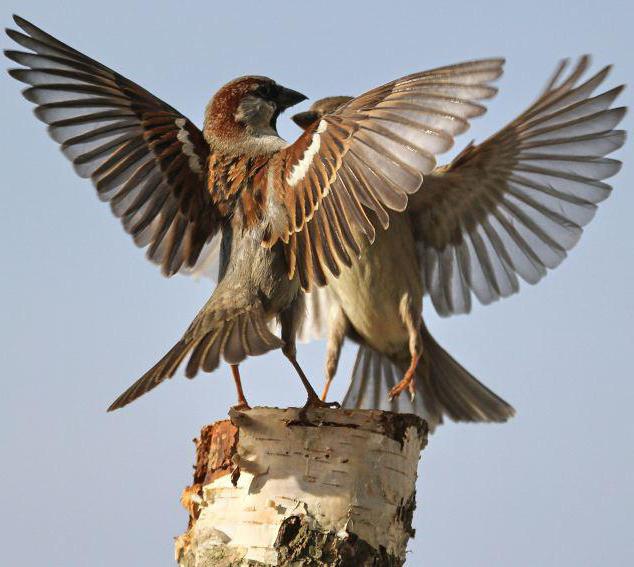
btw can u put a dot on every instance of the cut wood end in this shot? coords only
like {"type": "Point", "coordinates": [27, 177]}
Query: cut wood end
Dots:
{"type": "Point", "coordinates": [273, 485]}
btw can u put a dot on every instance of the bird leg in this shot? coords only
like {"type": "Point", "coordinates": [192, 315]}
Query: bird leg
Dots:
{"type": "Point", "coordinates": [242, 401]}
{"type": "Point", "coordinates": [412, 319]}
{"type": "Point", "coordinates": [289, 321]}
{"type": "Point", "coordinates": [338, 326]}
{"type": "Point", "coordinates": [314, 401]}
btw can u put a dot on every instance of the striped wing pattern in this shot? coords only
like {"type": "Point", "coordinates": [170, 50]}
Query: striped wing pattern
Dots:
{"type": "Point", "coordinates": [513, 206]}
{"type": "Point", "coordinates": [144, 158]}
{"type": "Point", "coordinates": [340, 177]}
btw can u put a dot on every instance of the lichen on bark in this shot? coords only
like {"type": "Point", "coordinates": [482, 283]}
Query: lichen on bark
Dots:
{"type": "Point", "coordinates": [298, 545]}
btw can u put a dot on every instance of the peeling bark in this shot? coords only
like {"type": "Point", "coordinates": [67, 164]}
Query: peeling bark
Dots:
{"type": "Point", "coordinates": [314, 488]}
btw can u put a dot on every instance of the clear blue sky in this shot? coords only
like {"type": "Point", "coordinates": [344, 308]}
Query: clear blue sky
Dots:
{"type": "Point", "coordinates": [84, 314]}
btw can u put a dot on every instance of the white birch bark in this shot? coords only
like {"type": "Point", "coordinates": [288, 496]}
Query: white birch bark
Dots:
{"type": "Point", "coordinates": [283, 487]}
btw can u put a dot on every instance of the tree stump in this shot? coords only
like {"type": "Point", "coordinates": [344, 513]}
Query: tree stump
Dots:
{"type": "Point", "coordinates": [317, 487]}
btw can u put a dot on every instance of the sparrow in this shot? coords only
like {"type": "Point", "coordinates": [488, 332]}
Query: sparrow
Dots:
{"type": "Point", "coordinates": [510, 206]}
{"type": "Point", "coordinates": [288, 216]}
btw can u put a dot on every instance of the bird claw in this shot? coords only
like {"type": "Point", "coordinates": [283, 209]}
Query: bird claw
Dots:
{"type": "Point", "coordinates": [243, 406]}
{"type": "Point", "coordinates": [412, 390]}
{"type": "Point", "coordinates": [317, 403]}
{"type": "Point", "coordinates": [407, 383]}
{"type": "Point", "coordinates": [314, 403]}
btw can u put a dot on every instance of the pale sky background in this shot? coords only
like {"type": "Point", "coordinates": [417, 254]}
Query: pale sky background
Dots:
{"type": "Point", "coordinates": [84, 314]}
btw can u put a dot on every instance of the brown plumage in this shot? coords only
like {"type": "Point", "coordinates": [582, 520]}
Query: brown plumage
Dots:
{"type": "Point", "coordinates": [511, 206]}
{"type": "Point", "coordinates": [288, 215]}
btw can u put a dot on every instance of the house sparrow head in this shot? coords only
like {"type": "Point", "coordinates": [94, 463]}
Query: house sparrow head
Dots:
{"type": "Point", "coordinates": [318, 109]}
{"type": "Point", "coordinates": [247, 107]}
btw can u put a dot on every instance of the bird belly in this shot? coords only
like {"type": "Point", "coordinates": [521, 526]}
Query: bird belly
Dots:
{"type": "Point", "coordinates": [372, 290]}
{"type": "Point", "coordinates": [261, 271]}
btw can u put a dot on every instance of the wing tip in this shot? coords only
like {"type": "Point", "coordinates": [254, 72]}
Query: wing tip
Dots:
{"type": "Point", "coordinates": [621, 111]}
{"type": "Point", "coordinates": [118, 403]}
{"type": "Point", "coordinates": [13, 34]}
{"type": "Point", "coordinates": [17, 74]}
{"type": "Point", "coordinates": [11, 54]}
{"type": "Point", "coordinates": [24, 24]}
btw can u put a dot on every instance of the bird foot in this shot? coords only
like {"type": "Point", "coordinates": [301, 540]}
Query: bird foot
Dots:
{"type": "Point", "coordinates": [407, 383]}
{"type": "Point", "coordinates": [242, 406]}
{"type": "Point", "coordinates": [312, 403]}
{"type": "Point", "coordinates": [317, 403]}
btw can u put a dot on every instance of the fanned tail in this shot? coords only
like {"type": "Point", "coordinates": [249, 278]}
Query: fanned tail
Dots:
{"type": "Point", "coordinates": [209, 338]}
{"type": "Point", "coordinates": [443, 387]}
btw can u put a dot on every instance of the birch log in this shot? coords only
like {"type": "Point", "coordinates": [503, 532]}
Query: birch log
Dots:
{"type": "Point", "coordinates": [322, 487]}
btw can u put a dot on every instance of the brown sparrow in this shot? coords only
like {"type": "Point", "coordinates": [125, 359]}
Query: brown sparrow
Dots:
{"type": "Point", "coordinates": [288, 215]}
{"type": "Point", "coordinates": [511, 206]}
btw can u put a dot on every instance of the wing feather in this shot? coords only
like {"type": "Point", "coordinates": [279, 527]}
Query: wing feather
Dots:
{"type": "Point", "coordinates": [365, 158]}
{"type": "Point", "coordinates": [515, 204]}
{"type": "Point", "coordinates": [142, 155]}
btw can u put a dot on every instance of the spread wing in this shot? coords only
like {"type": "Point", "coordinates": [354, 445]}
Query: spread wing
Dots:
{"type": "Point", "coordinates": [144, 158]}
{"type": "Point", "coordinates": [339, 178]}
{"type": "Point", "coordinates": [513, 205]}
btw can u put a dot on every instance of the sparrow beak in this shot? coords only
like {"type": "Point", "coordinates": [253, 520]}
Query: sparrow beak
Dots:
{"type": "Point", "coordinates": [305, 119]}
{"type": "Point", "coordinates": [285, 98]}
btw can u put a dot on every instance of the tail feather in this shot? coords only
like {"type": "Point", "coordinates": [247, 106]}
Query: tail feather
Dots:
{"type": "Point", "coordinates": [373, 376]}
{"type": "Point", "coordinates": [208, 339]}
{"type": "Point", "coordinates": [458, 393]}
{"type": "Point", "coordinates": [163, 369]}
{"type": "Point", "coordinates": [443, 387]}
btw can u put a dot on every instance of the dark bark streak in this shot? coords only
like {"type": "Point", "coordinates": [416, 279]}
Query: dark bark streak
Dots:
{"type": "Point", "coordinates": [395, 425]}
{"type": "Point", "coordinates": [299, 546]}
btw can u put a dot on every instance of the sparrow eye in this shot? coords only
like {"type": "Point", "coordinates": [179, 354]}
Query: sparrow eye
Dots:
{"type": "Point", "coordinates": [264, 90]}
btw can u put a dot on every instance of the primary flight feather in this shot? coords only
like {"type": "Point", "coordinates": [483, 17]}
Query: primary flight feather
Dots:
{"type": "Point", "coordinates": [288, 215]}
